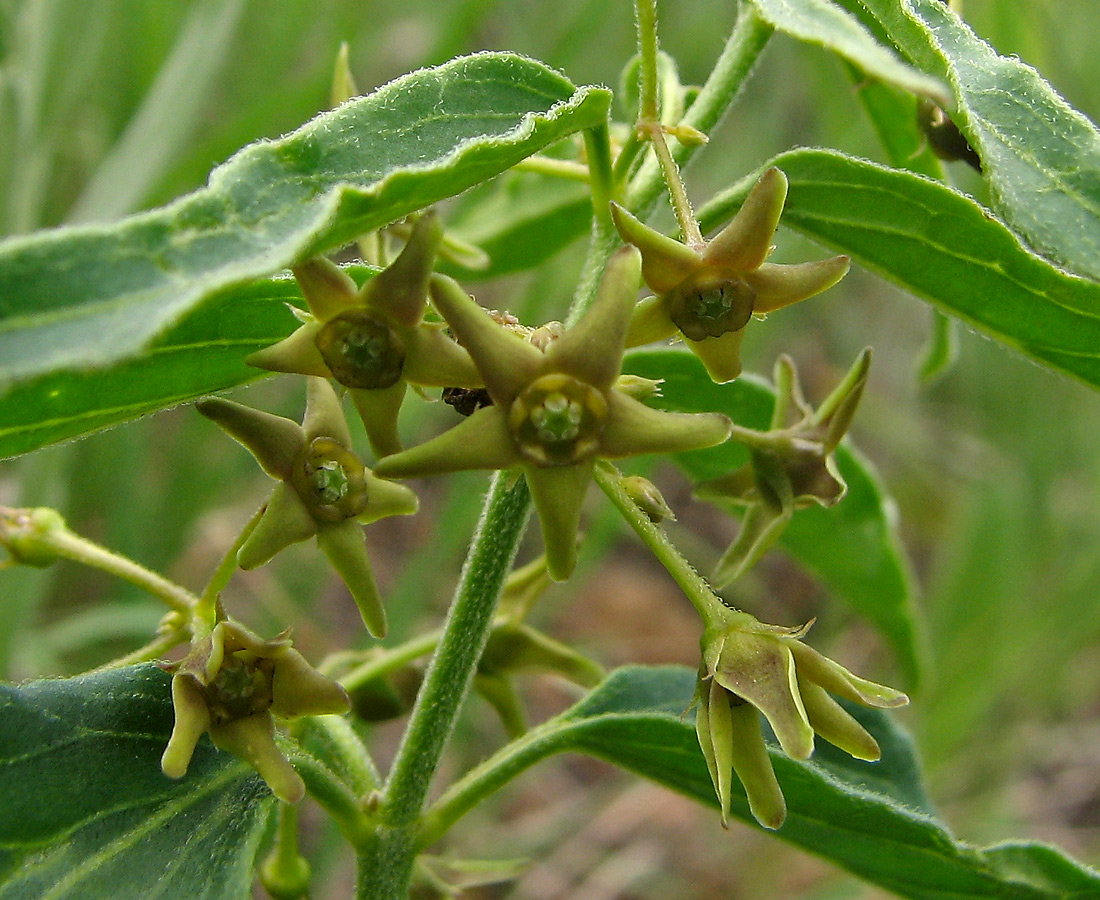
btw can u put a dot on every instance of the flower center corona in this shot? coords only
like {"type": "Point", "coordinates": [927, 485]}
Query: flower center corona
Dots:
{"type": "Point", "coordinates": [710, 304]}
{"type": "Point", "coordinates": [331, 481]}
{"type": "Point", "coordinates": [361, 350]}
{"type": "Point", "coordinates": [241, 688]}
{"type": "Point", "coordinates": [557, 420]}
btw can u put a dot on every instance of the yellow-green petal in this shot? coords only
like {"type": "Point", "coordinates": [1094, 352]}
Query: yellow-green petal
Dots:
{"type": "Point", "coordinates": [274, 441]}
{"type": "Point", "coordinates": [297, 354]}
{"type": "Point", "coordinates": [634, 428]}
{"type": "Point", "coordinates": [650, 322]}
{"type": "Point", "coordinates": [721, 356]}
{"type": "Point", "coordinates": [386, 498]}
{"type": "Point", "coordinates": [436, 360]}
{"type": "Point", "coordinates": [482, 441]}
{"type": "Point", "coordinates": [777, 285]}
{"type": "Point", "coordinates": [506, 361]}
{"type": "Point", "coordinates": [191, 722]}
{"type": "Point", "coordinates": [592, 350]}
{"type": "Point", "coordinates": [379, 409]}
{"type": "Point", "coordinates": [298, 689]}
{"type": "Point", "coordinates": [253, 740]}
{"type": "Point", "coordinates": [344, 546]}
{"type": "Point", "coordinates": [286, 521]}
{"type": "Point", "coordinates": [328, 289]}
{"type": "Point", "coordinates": [721, 738]}
{"type": "Point", "coordinates": [833, 723]}
{"type": "Point", "coordinates": [558, 494]}
{"type": "Point", "coordinates": [401, 289]}
{"type": "Point", "coordinates": [325, 414]}
{"type": "Point", "coordinates": [753, 766]}
{"type": "Point", "coordinates": [746, 241]}
{"type": "Point", "coordinates": [834, 678]}
{"type": "Point", "coordinates": [665, 262]}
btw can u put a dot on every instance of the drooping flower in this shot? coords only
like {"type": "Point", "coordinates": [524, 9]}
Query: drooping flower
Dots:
{"type": "Point", "coordinates": [556, 409]}
{"type": "Point", "coordinates": [374, 340]}
{"type": "Point", "coordinates": [750, 668]}
{"type": "Point", "coordinates": [233, 684]}
{"type": "Point", "coordinates": [324, 489]}
{"type": "Point", "coordinates": [708, 293]}
{"type": "Point", "coordinates": [791, 467]}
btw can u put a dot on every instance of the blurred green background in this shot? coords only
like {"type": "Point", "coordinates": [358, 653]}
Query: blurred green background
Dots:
{"type": "Point", "coordinates": [111, 106]}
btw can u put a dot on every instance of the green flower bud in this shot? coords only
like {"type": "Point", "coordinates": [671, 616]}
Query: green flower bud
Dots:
{"type": "Point", "coordinates": [361, 350]}
{"type": "Point", "coordinates": [647, 498]}
{"type": "Point", "coordinates": [26, 533]}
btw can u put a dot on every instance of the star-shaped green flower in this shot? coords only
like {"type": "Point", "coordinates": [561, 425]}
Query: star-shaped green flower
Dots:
{"type": "Point", "coordinates": [792, 465]}
{"type": "Point", "coordinates": [555, 410]}
{"type": "Point", "coordinates": [374, 340]}
{"type": "Point", "coordinates": [324, 489]}
{"type": "Point", "coordinates": [708, 293]}
{"type": "Point", "coordinates": [231, 684]}
{"type": "Point", "coordinates": [749, 667]}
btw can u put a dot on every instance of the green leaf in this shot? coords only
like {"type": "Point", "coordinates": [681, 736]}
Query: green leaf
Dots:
{"type": "Point", "coordinates": [825, 24]}
{"type": "Point", "coordinates": [852, 546]}
{"type": "Point", "coordinates": [86, 813]}
{"type": "Point", "coordinates": [873, 819]}
{"type": "Point", "coordinates": [520, 219]}
{"type": "Point", "coordinates": [1040, 156]}
{"type": "Point", "coordinates": [85, 297]}
{"type": "Point", "coordinates": [943, 247]}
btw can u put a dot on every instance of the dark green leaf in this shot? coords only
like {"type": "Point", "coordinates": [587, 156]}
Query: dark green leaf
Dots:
{"type": "Point", "coordinates": [86, 813]}
{"type": "Point", "coordinates": [871, 818]}
{"type": "Point", "coordinates": [1040, 156]}
{"type": "Point", "coordinates": [945, 248]}
{"type": "Point", "coordinates": [852, 546]}
{"type": "Point", "coordinates": [77, 298]}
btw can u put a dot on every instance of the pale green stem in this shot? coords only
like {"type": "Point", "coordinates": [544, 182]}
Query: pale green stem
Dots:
{"type": "Point", "coordinates": [285, 868]}
{"type": "Point", "coordinates": [681, 205]}
{"type": "Point", "coordinates": [597, 142]}
{"type": "Point", "coordinates": [155, 649]}
{"type": "Point", "coordinates": [390, 660]}
{"type": "Point", "coordinates": [559, 168]}
{"type": "Point", "coordinates": [694, 586]}
{"type": "Point", "coordinates": [206, 607]}
{"type": "Point", "coordinates": [72, 546]}
{"type": "Point", "coordinates": [336, 798]}
{"type": "Point", "coordinates": [748, 38]}
{"type": "Point", "coordinates": [333, 739]}
{"type": "Point", "coordinates": [646, 13]}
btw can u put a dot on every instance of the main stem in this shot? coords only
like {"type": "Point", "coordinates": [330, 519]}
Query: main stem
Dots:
{"type": "Point", "coordinates": [386, 857]}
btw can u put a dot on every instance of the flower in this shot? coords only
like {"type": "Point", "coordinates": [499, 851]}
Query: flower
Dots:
{"type": "Point", "coordinates": [748, 667]}
{"type": "Point", "coordinates": [324, 489]}
{"type": "Point", "coordinates": [233, 684]}
{"type": "Point", "coordinates": [556, 407]}
{"type": "Point", "coordinates": [374, 340]}
{"type": "Point", "coordinates": [708, 293]}
{"type": "Point", "coordinates": [791, 466]}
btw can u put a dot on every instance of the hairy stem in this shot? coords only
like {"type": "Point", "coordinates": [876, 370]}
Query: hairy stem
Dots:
{"type": "Point", "coordinates": [748, 38]}
{"type": "Point", "coordinates": [386, 857]}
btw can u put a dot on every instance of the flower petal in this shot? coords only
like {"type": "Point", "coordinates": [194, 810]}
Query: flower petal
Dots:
{"type": "Point", "coordinates": [665, 262]}
{"type": "Point", "coordinates": [435, 360]}
{"type": "Point", "coordinates": [325, 414]}
{"type": "Point", "coordinates": [298, 689]}
{"type": "Point", "coordinates": [760, 529]}
{"type": "Point", "coordinates": [286, 521]}
{"type": "Point", "coordinates": [719, 736]}
{"type": "Point", "coordinates": [633, 428]}
{"type": "Point", "coordinates": [745, 243]}
{"type": "Point", "coordinates": [558, 494]}
{"type": "Point", "coordinates": [344, 546]}
{"type": "Point", "coordinates": [482, 441]}
{"type": "Point", "coordinates": [386, 498]}
{"type": "Point", "coordinates": [834, 678]}
{"type": "Point", "coordinates": [592, 349]}
{"type": "Point", "coordinates": [297, 354]}
{"type": "Point", "coordinates": [650, 322]}
{"type": "Point", "coordinates": [777, 286]}
{"type": "Point", "coordinates": [833, 723]}
{"type": "Point", "coordinates": [750, 760]}
{"type": "Point", "coordinates": [327, 288]}
{"type": "Point", "coordinates": [506, 361]}
{"type": "Point", "coordinates": [253, 740]}
{"type": "Point", "coordinates": [401, 289]}
{"type": "Point", "coordinates": [379, 409]}
{"type": "Point", "coordinates": [274, 441]}
{"type": "Point", "coordinates": [720, 355]}
{"type": "Point", "coordinates": [192, 720]}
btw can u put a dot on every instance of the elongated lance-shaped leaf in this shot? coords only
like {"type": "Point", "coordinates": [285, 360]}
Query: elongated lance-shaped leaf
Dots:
{"type": "Point", "coordinates": [824, 23]}
{"type": "Point", "coordinates": [87, 814]}
{"type": "Point", "coordinates": [76, 298]}
{"type": "Point", "coordinates": [873, 819]}
{"type": "Point", "coordinates": [1040, 156]}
